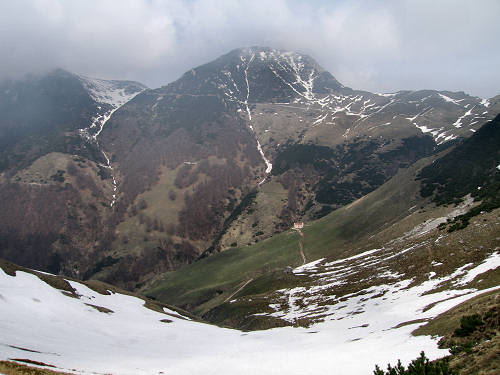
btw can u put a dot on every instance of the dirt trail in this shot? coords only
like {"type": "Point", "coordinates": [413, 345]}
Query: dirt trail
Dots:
{"type": "Point", "coordinates": [302, 252]}
{"type": "Point", "coordinates": [240, 288]}
{"type": "Point", "coordinates": [301, 247]}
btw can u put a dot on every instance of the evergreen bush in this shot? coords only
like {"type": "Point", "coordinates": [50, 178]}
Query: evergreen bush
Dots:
{"type": "Point", "coordinates": [419, 366]}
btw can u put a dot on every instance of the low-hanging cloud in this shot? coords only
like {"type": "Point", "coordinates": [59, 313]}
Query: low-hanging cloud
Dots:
{"type": "Point", "coordinates": [377, 46]}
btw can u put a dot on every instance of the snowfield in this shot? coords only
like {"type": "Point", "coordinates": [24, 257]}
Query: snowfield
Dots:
{"type": "Point", "coordinates": [116, 334]}
{"type": "Point", "coordinates": [114, 93]}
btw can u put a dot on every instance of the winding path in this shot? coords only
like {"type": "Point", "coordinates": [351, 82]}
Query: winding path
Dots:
{"type": "Point", "coordinates": [240, 288]}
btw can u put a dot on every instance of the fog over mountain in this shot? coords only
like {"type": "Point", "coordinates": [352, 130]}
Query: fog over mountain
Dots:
{"type": "Point", "coordinates": [376, 46]}
{"type": "Point", "coordinates": [225, 187]}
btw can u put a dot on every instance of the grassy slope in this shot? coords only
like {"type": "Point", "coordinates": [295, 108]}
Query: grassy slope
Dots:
{"type": "Point", "coordinates": [201, 283]}
{"type": "Point", "coordinates": [482, 353]}
{"type": "Point", "coordinates": [209, 282]}
{"type": "Point", "coordinates": [352, 226]}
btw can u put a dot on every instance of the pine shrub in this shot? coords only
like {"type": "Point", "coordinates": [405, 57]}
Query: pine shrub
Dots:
{"type": "Point", "coordinates": [419, 366]}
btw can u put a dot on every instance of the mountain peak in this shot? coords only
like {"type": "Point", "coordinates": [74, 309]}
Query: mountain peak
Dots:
{"type": "Point", "coordinates": [268, 53]}
{"type": "Point", "coordinates": [260, 74]}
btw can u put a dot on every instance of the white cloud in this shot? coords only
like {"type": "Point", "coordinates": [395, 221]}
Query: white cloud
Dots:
{"type": "Point", "coordinates": [379, 46]}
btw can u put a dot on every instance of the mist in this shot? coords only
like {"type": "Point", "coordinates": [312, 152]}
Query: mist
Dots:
{"type": "Point", "coordinates": [381, 46]}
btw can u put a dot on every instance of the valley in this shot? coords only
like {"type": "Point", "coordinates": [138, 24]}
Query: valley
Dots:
{"type": "Point", "coordinates": [273, 139]}
{"type": "Point", "coordinates": [161, 221]}
{"type": "Point", "coordinates": [357, 303]}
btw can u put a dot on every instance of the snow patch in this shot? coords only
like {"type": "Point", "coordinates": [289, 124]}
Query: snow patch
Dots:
{"type": "Point", "coordinates": [431, 224]}
{"type": "Point", "coordinates": [458, 124]}
{"type": "Point", "coordinates": [491, 263]}
{"type": "Point", "coordinates": [269, 166]}
{"type": "Point", "coordinates": [450, 100]}
{"type": "Point", "coordinates": [114, 93]}
{"type": "Point", "coordinates": [485, 102]}
{"type": "Point", "coordinates": [308, 266]}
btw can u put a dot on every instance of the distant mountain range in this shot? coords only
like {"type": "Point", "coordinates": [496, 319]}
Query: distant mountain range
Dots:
{"type": "Point", "coordinates": [109, 179]}
{"type": "Point", "coordinates": [188, 193]}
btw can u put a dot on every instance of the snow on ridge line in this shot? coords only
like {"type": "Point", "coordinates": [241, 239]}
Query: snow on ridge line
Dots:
{"type": "Point", "coordinates": [290, 69]}
{"type": "Point", "coordinates": [390, 94]}
{"type": "Point", "coordinates": [114, 93]}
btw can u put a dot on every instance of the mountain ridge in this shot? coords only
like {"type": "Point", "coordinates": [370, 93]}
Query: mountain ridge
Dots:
{"type": "Point", "coordinates": [232, 153]}
{"type": "Point", "coordinates": [394, 232]}
{"type": "Point", "coordinates": [187, 193]}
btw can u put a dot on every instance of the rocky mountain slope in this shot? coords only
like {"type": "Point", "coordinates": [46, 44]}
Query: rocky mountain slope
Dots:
{"type": "Point", "coordinates": [55, 181]}
{"type": "Point", "coordinates": [363, 138]}
{"type": "Point", "coordinates": [398, 236]}
{"type": "Point", "coordinates": [179, 192]}
{"type": "Point", "coordinates": [293, 144]}
{"type": "Point", "coordinates": [230, 154]}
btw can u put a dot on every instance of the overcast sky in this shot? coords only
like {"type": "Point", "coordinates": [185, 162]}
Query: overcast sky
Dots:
{"type": "Point", "coordinates": [380, 46]}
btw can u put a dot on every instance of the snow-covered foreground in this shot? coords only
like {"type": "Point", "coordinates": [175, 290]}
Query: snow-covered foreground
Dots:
{"type": "Point", "coordinates": [130, 339]}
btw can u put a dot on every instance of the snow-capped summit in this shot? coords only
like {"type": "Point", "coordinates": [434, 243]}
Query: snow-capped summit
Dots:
{"type": "Point", "coordinates": [251, 76]}
{"type": "Point", "coordinates": [261, 74]}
